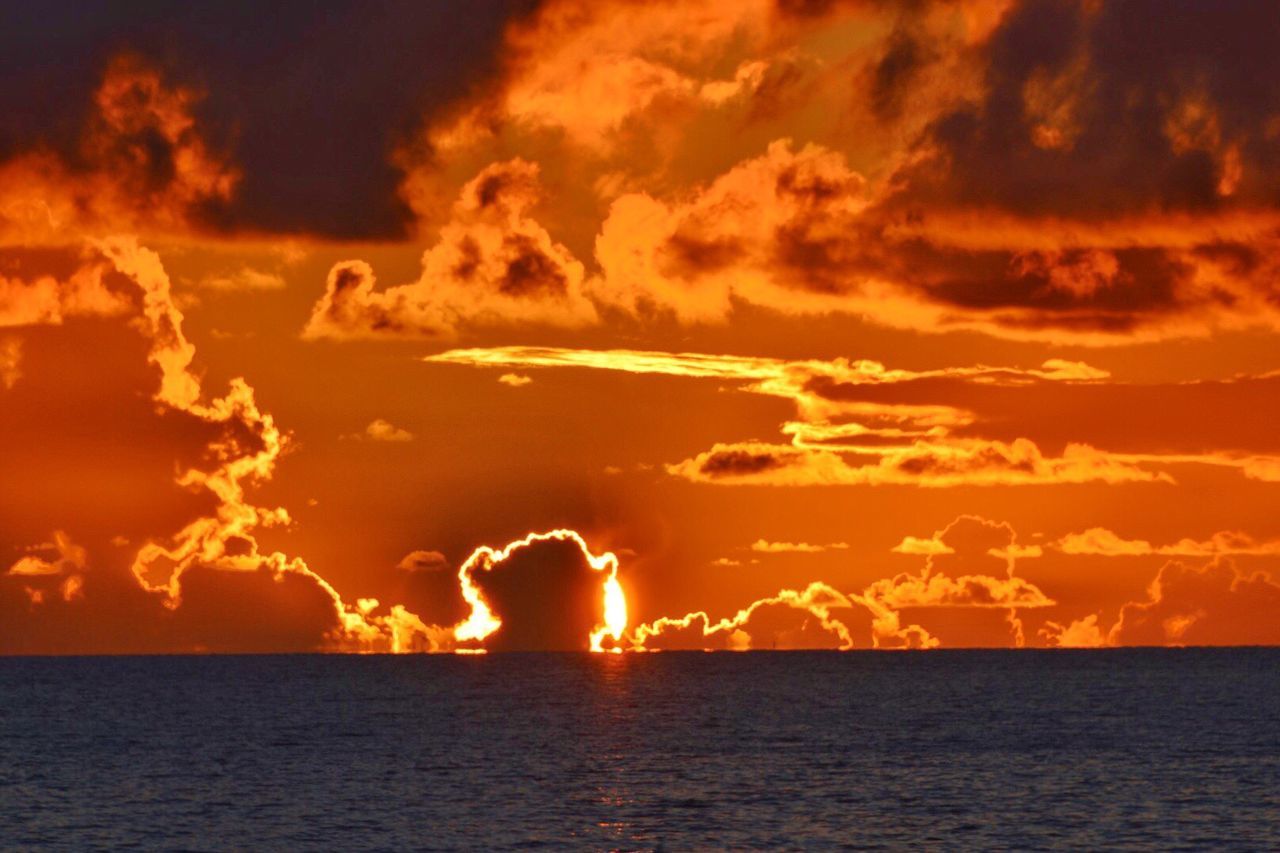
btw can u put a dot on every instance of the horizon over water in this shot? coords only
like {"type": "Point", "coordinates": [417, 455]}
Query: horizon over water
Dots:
{"type": "Point", "coordinates": [1168, 748]}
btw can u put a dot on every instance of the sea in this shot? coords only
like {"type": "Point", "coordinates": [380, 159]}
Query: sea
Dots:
{"type": "Point", "coordinates": [1169, 749]}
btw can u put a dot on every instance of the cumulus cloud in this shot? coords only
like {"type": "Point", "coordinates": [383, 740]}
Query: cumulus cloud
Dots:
{"type": "Point", "coordinates": [423, 561]}
{"type": "Point", "coordinates": [544, 591]}
{"type": "Point", "coordinates": [1213, 604]}
{"type": "Point", "coordinates": [142, 166]}
{"type": "Point", "coordinates": [764, 546]}
{"type": "Point", "coordinates": [955, 578]}
{"type": "Point", "coordinates": [514, 380]}
{"type": "Point", "coordinates": [972, 568]}
{"type": "Point", "coordinates": [796, 231]}
{"type": "Point", "coordinates": [383, 430]}
{"type": "Point", "coordinates": [1099, 541]}
{"type": "Point", "coordinates": [670, 94]}
{"type": "Point", "coordinates": [613, 88]}
{"type": "Point", "coordinates": [1083, 633]}
{"type": "Point", "coordinates": [46, 300]}
{"type": "Point", "coordinates": [492, 265]}
{"type": "Point", "coordinates": [1136, 203]}
{"type": "Point", "coordinates": [814, 617]}
{"type": "Point", "coordinates": [966, 591]}
{"type": "Point", "coordinates": [923, 547]}
{"type": "Point", "coordinates": [765, 233]}
{"type": "Point", "coordinates": [685, 227]}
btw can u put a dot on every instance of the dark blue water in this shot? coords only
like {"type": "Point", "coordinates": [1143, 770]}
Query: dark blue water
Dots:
{"type": "Point", "coordinates": [1168, 749]}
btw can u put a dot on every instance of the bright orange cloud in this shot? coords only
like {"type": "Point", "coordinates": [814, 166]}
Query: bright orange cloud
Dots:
{"type": "Point", "coordinates": [493, 265]}
{"type": "Point", "coordinates": [917, 234]}
{"type": "Point", "coordinates": [380, 429]}
{"type": "Point", "coordinates": [1102, 542]}
{"type": "Point", "coordinates": [822, 617]}
{"type": "Point", "coordinates": [846, 440]}
{"type": "Point", "coordinates": [66, 557]}
{"type": "Point", "coordinates": [812, 624]}
{"type": "Point", "coordinates": [763, 546]}
{"type": "Point", "coordinates": [48, 301]}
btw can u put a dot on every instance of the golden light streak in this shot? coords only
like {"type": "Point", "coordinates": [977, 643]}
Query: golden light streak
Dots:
{"type": "Point", "coordinates": [748, 368]}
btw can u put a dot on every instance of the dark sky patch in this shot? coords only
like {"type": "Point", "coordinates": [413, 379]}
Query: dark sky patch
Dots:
{"type": "Point", "coordinates": [308, 100]}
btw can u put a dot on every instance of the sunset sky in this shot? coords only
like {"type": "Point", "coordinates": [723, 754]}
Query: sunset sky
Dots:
{"type": "Point", "coordinates": [791, 323]}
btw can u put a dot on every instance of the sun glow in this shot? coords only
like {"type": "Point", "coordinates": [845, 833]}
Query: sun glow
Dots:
{"type": "Point", "coordinates": [615, 613]}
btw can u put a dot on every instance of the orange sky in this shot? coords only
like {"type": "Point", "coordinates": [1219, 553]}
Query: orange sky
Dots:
{"type": "Point", "coordinates": [810, 324]}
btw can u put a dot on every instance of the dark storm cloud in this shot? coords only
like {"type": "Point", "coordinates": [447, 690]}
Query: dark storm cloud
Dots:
{"type": "Point", "coordinates": [547, 596]}
{"type": "Point", "coordinates": [309, 100]}
{"type": "Point", "coordinates": [1136, 103]}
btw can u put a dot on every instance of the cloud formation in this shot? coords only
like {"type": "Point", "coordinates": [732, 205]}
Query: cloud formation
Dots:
{"type": "Point", "coordinates": [493, 265]}
{"type": "Point", "coordinates": [312, 156]}
{"type": "Point", "coordinates": [1136, 203]}
{"type": "Point", "coordinates": [847, 440]}
{"type": "Point", "coordinates": [933, 465]}
{"type": "Point", "coordinates": [1099, 541]}
{"type": "Point", "coordinates": [46, 300]}
{"type": "Point", "coordinates": [763, 546]}
{"type": "Point", "coordinates": [380, 429]}
{"type": "Point", "coordinates": [61, 556]}
{"type": "Point", "coordinates": [792, 619]}
{"type": "Point", "coordinates": [141, 165]}
{"type": "Point", "coordinates": [423, 561]}
{"type": "Point", "coordinates": [1213, 604]}
{"type": "Point", "coordinates": [886, 614]}
{"type": "Point", "coordinates": [566, 605]}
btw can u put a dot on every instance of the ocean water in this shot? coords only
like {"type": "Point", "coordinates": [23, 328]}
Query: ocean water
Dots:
{"type": "Point", "coordinates": [1171, 749]}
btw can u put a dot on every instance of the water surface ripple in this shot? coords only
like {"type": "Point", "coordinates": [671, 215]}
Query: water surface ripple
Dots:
{"type": "Point", "coordinates": [1175, 749]}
